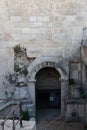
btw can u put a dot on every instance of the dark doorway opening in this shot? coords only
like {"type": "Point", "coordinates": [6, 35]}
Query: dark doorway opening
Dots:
{"type": "Point", "coordinates": [48, 93]}
{"type": "Point", "coordinates": [48, 99]}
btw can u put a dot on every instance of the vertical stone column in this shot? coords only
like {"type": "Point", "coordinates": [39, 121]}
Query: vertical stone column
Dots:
{"type": "Point", "coordinates": [64, 92]}
{"type": "Point", "coordinates": [32, 93]}
{"type": "Point", "coordinates": [84, 80]}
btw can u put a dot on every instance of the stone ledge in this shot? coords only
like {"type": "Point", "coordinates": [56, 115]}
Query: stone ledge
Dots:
{"type": "Point", "coordinates": [76, 101]}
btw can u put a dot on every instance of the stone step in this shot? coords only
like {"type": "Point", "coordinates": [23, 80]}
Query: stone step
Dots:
{"type": "Point", "coordinates": [27, 125]}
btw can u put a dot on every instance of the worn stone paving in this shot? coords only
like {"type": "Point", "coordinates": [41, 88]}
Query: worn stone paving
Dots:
{"type": "Point", "coordinates": [60, 125]}
{"type": "Point", "coordinates": [48, 120]}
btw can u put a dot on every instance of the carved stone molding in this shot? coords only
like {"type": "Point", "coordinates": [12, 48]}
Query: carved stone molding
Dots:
{"type": "Point", "coordinates": [39, 64]}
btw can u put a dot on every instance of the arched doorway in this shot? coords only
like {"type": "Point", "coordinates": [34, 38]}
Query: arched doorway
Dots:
{"type": "Point", "coordinates": [41, 64]}
{"type": "Point", "coordinates": [48, 93]}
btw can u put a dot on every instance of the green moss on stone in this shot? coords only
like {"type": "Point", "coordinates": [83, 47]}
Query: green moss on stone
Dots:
{"type": "Point", "coordinates": [17, 49]}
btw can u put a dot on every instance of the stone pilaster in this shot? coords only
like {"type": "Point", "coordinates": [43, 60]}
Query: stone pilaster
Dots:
{"type": "Point", "coordinates": [32, 93]}
{"type": "Point", "coordinates": [64, 92]}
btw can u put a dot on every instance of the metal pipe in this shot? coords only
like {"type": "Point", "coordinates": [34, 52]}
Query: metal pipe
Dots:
{"type": "Point", "coordinates": [13, 121]}
{"type": "Point", "coordinates": [2, 125]}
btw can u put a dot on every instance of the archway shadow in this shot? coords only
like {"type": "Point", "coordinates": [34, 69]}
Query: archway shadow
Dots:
{"type": "Point", "coordinates": [48, 94]}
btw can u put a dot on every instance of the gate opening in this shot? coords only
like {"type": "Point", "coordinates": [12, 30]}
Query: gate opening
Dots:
{"type": "Point", "coordinates": [48, 93]}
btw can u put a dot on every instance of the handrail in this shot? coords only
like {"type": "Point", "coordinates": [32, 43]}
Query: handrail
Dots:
{"type": "Point", "coordinates": [12, 112]}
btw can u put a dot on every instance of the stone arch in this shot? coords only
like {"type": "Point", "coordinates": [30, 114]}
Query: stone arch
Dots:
{"type": "Point", "coordinates": [38, 64]}
{"type": "Point", "coordinates": [41, 63]}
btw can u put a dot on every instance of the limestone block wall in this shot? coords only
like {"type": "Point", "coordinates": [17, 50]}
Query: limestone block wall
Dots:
{"type": "Point", "coordinates": [6, 66]}
{"type": "Point", "coordinates": [49, 28]}
{"type": "Point", "coordinates": [54, 26]}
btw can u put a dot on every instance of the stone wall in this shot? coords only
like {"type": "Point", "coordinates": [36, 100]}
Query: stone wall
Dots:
{"type": "Point", "coordinates": [53, 24]}
{"type": "Point", "coordinates": [45, 28]}
{"type": "Point", "coordinates": [75, 72]}
{"type": "Point", "coordinates": [6, 66]}
{"type": "Point", "coordinates": [76, 111]}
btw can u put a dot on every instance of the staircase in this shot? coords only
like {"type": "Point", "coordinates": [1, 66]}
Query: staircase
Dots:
{"type": "Point", "coordinates": [8, 105]}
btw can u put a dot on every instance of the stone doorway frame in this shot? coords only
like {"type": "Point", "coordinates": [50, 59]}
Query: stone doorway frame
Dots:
{"type": "Point", "coordinates": [39, 64]}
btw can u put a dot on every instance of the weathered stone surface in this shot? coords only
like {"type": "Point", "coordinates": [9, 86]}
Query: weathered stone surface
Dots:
{"type": "Point", "coordinates": [27, 21]}
{"type": "Point", "coordinates": [27, 125]}
{"type": "Point", "coordinates": [49, 30]}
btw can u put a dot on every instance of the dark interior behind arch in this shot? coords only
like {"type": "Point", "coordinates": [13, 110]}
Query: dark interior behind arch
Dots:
{"type": "Point", "coordinates": [48, 88]}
